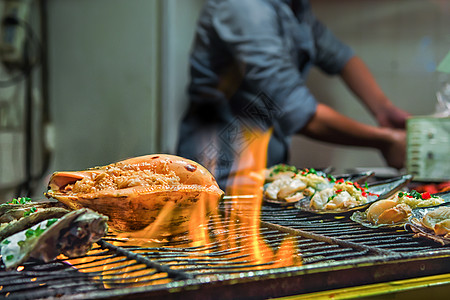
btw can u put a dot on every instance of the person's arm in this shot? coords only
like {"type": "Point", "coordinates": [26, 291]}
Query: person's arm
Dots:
{"type": "Point", "coordinates": [360, 80]}
{"type": "Point", "coordinates": [330, 126]}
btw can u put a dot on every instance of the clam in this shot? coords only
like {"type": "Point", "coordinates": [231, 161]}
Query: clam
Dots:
{"type": "Point", "coordinates": [133, 192]}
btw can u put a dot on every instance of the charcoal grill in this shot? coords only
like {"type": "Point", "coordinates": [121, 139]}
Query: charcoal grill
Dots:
{"type": "Point", "coordinates": [335, 253]}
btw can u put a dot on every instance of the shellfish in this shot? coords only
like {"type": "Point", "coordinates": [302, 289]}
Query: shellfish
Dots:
{"type": "Point", "coordinates": [133, 192]}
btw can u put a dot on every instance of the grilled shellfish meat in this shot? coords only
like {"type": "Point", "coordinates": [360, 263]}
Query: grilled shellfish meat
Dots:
{"type": "Point", "coordinates": [432, 223]}
{"type": "Point", "coordinates": [286, 184]}
{"type": "Point", "coordinates": [348, 196]}
{"type": "Point", "coordinates": [133, 192]}
{"type": "Point", "coordinates": [395, 210]}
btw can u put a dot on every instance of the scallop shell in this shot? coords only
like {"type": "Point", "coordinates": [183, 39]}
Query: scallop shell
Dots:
{"type": "Point", "coordinates": [384, 189]}
{"type": "Point", "coordinates": [134, 208]}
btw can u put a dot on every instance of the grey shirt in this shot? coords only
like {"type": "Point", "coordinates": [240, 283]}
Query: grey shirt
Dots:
{"type": "Point", "coordinates": [248, 68]}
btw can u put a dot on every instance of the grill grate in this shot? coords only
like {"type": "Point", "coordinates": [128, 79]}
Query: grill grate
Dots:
{"type": "Point", "coordinates": [230, 265]}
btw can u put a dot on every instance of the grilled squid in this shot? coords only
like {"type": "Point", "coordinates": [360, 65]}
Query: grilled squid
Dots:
{"type": "Point", "coordinates": [133, 192]}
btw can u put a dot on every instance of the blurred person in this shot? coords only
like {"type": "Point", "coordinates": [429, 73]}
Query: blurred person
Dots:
{"type": "Point", "coordinates": [248, 65]}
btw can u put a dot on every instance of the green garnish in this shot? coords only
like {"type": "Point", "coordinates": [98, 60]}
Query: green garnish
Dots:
{"type": "Point", "coordinates": [50, 222]}
{"type": "Point", "coordinates": [9, 257]}
{"type": "Point", "coordinates": [29, 233]}
{"type": "Point", "coordinates": [415, 194]}
{"type": "Point", "coordinates": [331, 198]}
{"type": "Point", "coordinates": [20, 200]}
{"type": "Point", "coordinates": [36, 232]}
{"type": "Point", "coordinates": [29, 212]}
{"type": "Point", "coordinates": [331, 178]}
{"type": "Point", "coordinates": [283, 168]}
{"type": "Point", "coordinates": [6, 242]}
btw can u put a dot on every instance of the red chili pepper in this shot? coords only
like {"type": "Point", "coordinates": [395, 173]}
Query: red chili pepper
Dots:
{"type": "Point", "coordinates": [426, 196]}
{"type": "Point", "coordinates": [338, 191]}
{"type": "Point", "coordinates": [340, 180]}
{"type": "Point", "coordinates": [357, 185]}
{"type": "Point", "coordinates": [364, 194]}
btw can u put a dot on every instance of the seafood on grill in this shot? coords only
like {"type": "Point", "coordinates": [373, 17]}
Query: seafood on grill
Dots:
{"type": "Point", "coordinates": [286, 184]}
{"type": "Point", "coordinates": [133, 192]}
{"type": "Point", "coordinates": [347, 196]}
{"type": "Point", "coordinates": [72, 235]}
{"type": "Point", "coordinates": [22, 213]}
{"type": "Point", "coordinates": [432, 223]}
{"type": "Point", "coordinates": [395, 210]}
{"type": "Point", "coordinates": [342, 195]}
{"type": "Point", "coordinates": [291, 188]}
{"type": "Point", "coordinates": [280, 171]}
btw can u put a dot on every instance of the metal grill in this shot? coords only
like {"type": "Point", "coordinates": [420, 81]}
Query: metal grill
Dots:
{"type": "Point", "coordinates": [335, 252]}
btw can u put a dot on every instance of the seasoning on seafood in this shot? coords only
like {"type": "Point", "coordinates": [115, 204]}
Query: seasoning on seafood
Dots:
{"type": "Point", "coordinates": [280, 171]}
{"type": "Point", "coordinates": [133, 192]}
{"type": "Point", "coordinates": [342, 195]}
{"type": "Point", "coordinates": [22, 213]}
{"type": "Point", "coordinates": [290, 184]}
{"type": "Point", "coordinates": [71, 235]}
{"type": "Point", "coordinates": [397, 209]}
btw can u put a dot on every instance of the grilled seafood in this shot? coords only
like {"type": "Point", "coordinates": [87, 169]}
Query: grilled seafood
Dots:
{"type": "Point", "coordinates": [397, 208]}
{"type": "Point", "coordinates": [438, 220]}
{"type": "Point", "coordinates": [388, 211]}
{"type": "Point", "coordinates": [132, 192]}
{"type": "Point", "coordinates": [343, 194]}
{"type": "Point", "coordinates": [291, 185]}
{"type": "Point", "coordinates": [73, 235]}
{"type": "Point", "coordinates": [432, 223]}
{"type": "Point", "coordinates": [280, 171]}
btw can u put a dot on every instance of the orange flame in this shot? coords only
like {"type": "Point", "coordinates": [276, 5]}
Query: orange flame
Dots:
{"type": "Point", "coordinates": [243, 212]}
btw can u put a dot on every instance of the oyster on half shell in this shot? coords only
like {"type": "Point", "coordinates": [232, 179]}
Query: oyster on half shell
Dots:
{"type": "Point", "coordinates": [73, 235]}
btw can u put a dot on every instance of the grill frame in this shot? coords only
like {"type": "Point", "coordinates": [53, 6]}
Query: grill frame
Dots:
{"type": "Point", "coordinates": [385, 255]}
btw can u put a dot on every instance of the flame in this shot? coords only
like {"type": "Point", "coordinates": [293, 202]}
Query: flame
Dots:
{"type": "Point", "coordinates": [242, 211]}
{"type": "Point", "coordinates": [249, 180]}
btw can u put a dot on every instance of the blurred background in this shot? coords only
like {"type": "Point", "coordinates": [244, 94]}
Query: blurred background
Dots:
{"type": "Point", "coordinates": [89, 82]}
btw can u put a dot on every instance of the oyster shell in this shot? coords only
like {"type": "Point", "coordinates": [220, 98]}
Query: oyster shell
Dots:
{"type": "Point", "coordinates": [26, 221]}
{"type": "Point", "coordinates": [72, 235]}
{"type": "Point", "coordinates": [133, 192]}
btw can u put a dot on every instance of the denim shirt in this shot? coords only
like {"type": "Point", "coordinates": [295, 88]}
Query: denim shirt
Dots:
{"type": "Point", "coordinates": [253, 56]}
